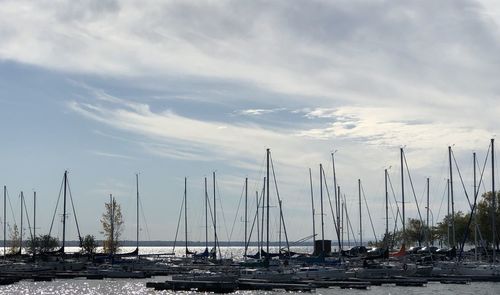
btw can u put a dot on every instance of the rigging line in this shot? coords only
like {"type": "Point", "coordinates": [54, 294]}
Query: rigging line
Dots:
{"type": "Point", "coordinates": [28, 218]}
{"type": "Point", "coordinates": [216, 235]}
{"type": "Point", "coordinates": [390, 202]}
{"type": "Point", "coordinates": [74, 213]}
{"type": "Point", "coordinates": [178, 225]}
{"type": "Point", "coordinates": [477, 193]}
{"type": "Point", "coordinates": [280, 203]}
{"type": "Point", "coordinates": [253, 224]}
{"type": "Point", "coordinates": [256, 186]}
{"type": "Point", "coordinates": [442, 201]}
{"type": "Point", "coordinates": [395, 200]}
{"type": "Point", "coordinates": [423, 195]}
{"type": "Point", "coordinates": [369, 214]}
{"type": "Point", "coordinates": [413, 190]}
{"type": "Point", "coordinates": [295, 243]}
{"type": "Point", "coordinates": [461, 179]}
{"type": "Point", "coordinates": [57, 205]}
{"type": "Point", "coordinates": [329, 200]}
{"type": "Point", "coordinates": [349, 225]}
{"type": "Point", "coordinates": [237, 211]}
{"type": "Point", "coordinates": [222, 209]}
{"type": "Point", "coordinates": [395, 228]}
{"type": "Point", "coordinates": [11, 209]}
{"type": "Point", "coordinates": [473, 208]}
{"type": "Point", "coordinates": [481, 182]}
{"type": "Point", "coordinates": [144, 218]}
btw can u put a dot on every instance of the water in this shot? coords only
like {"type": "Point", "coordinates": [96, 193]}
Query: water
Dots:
{"type": "Point", "coordinates": [138, 286]}
{"type": "Point", "coordinates": [127, 286]}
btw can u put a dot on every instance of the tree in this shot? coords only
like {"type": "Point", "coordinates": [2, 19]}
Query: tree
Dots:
{"type": "Point", "coordinates": [42, 244]}
{"type": "Point", "coordinates": [112, 226]}
{"type": "Point", "coordinates": [15, 240]}
{"type": "Point", "coordinates": [484, 210]}
{"type": "Point", "coordinates": [89, 244]}
{"type": "Point", "coordinates": [443, 227]}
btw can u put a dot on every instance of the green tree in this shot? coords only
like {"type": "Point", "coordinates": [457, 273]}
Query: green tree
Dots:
{"type": "Point", "coordinates": [89, 244]}
{"type": "Point", "coordinates": [15, 240]}
{"type": "Point", "coordinates": [42, 244]}
{"type": "Point", "coordinates": [444, 227]}
{"type": "Point", "coordinates": [484, 210]}
{"type": "Point", "coordinates": [112, 226]}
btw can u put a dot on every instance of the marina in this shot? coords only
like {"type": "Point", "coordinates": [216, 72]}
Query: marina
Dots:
{"type": "Point", "coordinates": [249, 147]}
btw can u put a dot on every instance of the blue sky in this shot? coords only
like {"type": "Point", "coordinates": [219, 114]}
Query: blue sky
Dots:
{"type": "Point", "coordinates": [170, 89]}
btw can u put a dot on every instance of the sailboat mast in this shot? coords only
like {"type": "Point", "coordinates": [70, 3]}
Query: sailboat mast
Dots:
{"type": "Point", "coordinates": [246, 214]}
{"type": "Point", "coordinates": [428, 227]}
{"type": "Point", "coordinates": [215, 217]}
{"type": "Point", "coordinates": [403, 196]}
{"type": "Point", "coordinates": [312, 206]}
{"type": "Point", "coordinates": [337, 197]}
{"type": "Point", "coordinates": [321, 200]}
{"type": "Point", "coordinates": [360, 213]}
{"type": "Point", "coordinates": [263, 215]}
{"type": "Point", "coordinates": [21, 230]}
{"type": "Point", "coordinates": [475, 196]}
{"type": "Point", "coordinates": [34, 223]}
{"type": "Point", "coordinates": [206, 215]}
{"type": "Point", "coordinates": [137, 211]}
{"type": "Point", "coordinates": [449, 222]}
{"type": "Point", "coordinates": [452, 199]}
{"type": "Point", "coordinates": [258, 226]}
{"type": "Point", "coordinates": [493, 202]}
{"type": "Point", "coordinates": [4, 221]}
{"type": "Point", "coordinates": [268, 153]}
{"type": "Point", "coordinates": [344, 209]}
{"type": "Point", "coordinates": [112, 210]}
{"type": "Point", "coordinates": [341, 231]}
{"type": "Point", "coordinates": [386, 210]}
{"type": "Point", "coordinates": [185, 216]}
{"type": "Point", "coordinates": [64, 210]}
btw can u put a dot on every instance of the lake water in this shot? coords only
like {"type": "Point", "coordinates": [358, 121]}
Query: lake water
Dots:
{"type": "Point", "coordinates": [138, 286]}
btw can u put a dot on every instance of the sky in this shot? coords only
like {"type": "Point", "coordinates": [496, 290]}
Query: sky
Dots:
{"type": "Point", "coordinates": [174, 89]}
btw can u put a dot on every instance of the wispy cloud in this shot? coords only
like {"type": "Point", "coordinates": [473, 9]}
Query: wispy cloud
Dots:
{"type": "Point", "coordinates": [258, 112]}
{"type": "Point", "coordinates": [111, 155]}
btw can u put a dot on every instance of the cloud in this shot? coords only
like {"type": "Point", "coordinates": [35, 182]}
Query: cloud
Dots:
{"type": "Point", "coordinates": [346, 51]}
{"type": "Point", "coordinates": [111, 155]}
{"type": "Point", "coordinates": [176, 136]}
{"type": "Point", "coordinates": [365, 77]}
